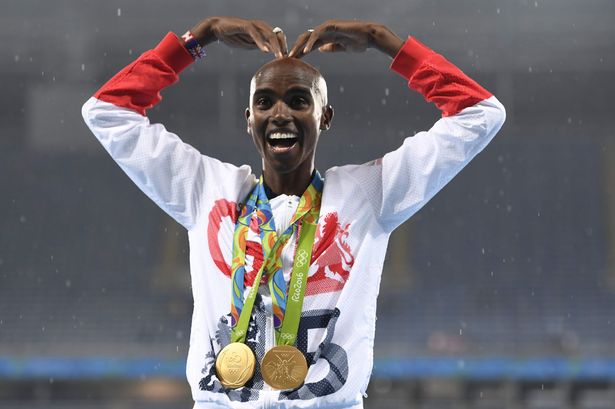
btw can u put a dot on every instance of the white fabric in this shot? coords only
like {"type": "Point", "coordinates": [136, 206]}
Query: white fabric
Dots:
{"type": "Point", "coordinates": [283, 208]}
{"type": "Point", "coordinates": [361, 205]}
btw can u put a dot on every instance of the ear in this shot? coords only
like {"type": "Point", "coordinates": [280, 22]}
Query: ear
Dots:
{"type": "Point", "coordinates": [248, 120]}
{"type": "Point", "coordinates": [326, 118]}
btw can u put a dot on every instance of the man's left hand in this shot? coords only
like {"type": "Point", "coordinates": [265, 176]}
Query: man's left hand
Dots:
{"type": "Point", "coordinates": [347, 35]}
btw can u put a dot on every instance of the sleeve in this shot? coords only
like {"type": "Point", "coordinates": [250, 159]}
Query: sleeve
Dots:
{"type": "Point", "coordinates": [169, 171]}
{"type": "Point", "coordinates": [411, 175]}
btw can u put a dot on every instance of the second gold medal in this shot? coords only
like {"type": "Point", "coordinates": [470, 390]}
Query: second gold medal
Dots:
{"type": "Point", "coordinates": [284, 367]}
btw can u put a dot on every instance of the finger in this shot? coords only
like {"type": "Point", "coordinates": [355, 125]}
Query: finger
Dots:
{"type": "Point", "coordinates": [273, 41]}
{"type": "Point", "coordinates": [269, 37]}
{"type": "Point", "coordinates": [332, 48]}
{"type": "Point", "coordinates": [241, 41]}
{"type": "Point", "coordinates": [281, 37]}
{"type": "Point", "coordinates": [316, 44]}
{"type": "Point", "coordinates": [258, 39]}
{"type": "Point", "coordinates": [299, 44]}
{"type": "Point", "coordinates": [314, 35]}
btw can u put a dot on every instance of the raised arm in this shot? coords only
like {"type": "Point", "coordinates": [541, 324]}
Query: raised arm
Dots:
{"type": "Point", "coordinates": [173, 174]}
{"type": "Point", "coordinates": [471, 116]}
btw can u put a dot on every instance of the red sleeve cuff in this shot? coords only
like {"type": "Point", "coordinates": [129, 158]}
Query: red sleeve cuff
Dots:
{"type": "Point", "coordinates": [172, 51]}
{"type": "Point", "coordinates": [410, 57]}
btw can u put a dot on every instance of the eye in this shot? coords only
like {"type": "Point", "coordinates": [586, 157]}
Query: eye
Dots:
{"type": "Point", "coordinates": [298, 102]}
{"type": "Point", "coordinates": [262, 102]}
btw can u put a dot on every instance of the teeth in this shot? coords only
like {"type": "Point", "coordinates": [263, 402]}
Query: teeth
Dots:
{"type": "Point", "coordinates": [279, 135]}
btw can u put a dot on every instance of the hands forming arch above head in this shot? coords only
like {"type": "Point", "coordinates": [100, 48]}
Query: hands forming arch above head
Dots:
{"type": "Point", "coordinates": [330, 36]}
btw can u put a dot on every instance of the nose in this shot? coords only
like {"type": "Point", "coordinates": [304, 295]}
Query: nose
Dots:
{"type": "Point", "coordinates": [281, 113]}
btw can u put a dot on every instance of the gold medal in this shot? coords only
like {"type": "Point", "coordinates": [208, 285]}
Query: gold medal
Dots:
{"type": "Point", "coordinates": [235, 365]}
{"type": "Point", "coordinates": [284, 367]}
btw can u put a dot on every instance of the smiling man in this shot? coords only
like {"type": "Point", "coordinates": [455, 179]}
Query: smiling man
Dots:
{"type": "Point", "coordinates": [286, 267]}
{"type": "Point", "coordinates": [288, 100]}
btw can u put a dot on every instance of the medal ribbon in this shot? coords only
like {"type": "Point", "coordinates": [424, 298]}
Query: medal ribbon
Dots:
{"type": "Point", "coordinates": [304, 223]}
{"type": "Point", "coordinates": [287, 334]}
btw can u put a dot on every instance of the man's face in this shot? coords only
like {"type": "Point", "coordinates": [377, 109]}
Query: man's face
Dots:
{"type": "Point", "coordinates": [287, 112]}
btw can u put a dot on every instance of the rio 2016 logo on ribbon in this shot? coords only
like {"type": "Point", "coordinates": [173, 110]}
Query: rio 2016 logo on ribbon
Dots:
{"type": "Point", "coordinates": [298, 286]}
{"type": "Point", "coordinates": [302, 258]}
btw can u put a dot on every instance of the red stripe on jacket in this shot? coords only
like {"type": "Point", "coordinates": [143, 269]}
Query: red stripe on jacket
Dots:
{"type": "Point", "coordinates": [437, 79]}
{"type": "Point", "coordinates": [138, 86]}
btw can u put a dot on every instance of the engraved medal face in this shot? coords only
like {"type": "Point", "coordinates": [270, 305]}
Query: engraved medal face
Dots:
{"type": "Point", "coordinates": [284, 367]}
{"type": "Point", "coordinates": [235, 365]}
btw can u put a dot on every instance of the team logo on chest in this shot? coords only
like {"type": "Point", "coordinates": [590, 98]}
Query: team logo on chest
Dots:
{"type": "Point", "coordinates": [332, 255]}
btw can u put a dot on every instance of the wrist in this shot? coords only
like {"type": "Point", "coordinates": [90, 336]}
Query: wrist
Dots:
{"type": "Point", "coordinates": [192, 45]}
{"type": "Point", "coordinates": [384, 40]}
{"type": "Point", "coordinates": [203, 32]}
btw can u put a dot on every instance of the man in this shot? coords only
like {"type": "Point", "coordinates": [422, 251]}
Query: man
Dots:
{"type": "Point", "coordinates": [303, 336]}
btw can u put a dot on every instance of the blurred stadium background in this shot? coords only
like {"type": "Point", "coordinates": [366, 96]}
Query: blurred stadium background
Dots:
{"type": "Point", "coordinates": [498, 294]}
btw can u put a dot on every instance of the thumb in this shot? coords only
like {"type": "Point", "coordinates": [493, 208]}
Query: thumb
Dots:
{"type": "Point", "coordinates": [332, 47]}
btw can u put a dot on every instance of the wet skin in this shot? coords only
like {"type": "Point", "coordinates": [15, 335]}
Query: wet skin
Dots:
{"type": "Point", "coordinates": [288, 110]}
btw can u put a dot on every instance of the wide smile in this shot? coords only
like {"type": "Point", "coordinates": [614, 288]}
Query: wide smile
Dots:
{"type": "Point", "coordinates": [282, 141]}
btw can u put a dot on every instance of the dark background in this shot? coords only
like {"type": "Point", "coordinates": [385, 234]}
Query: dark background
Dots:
{"type": "Point", "coordinates": [502, 287]}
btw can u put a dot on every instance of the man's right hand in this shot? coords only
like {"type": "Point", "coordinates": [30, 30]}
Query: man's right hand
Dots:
{"type": "Point", "coordinates": [241, 33]}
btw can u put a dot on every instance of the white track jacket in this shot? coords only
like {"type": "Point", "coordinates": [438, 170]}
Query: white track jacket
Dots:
{"type": "Point", "coordinates": [361, 205]}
